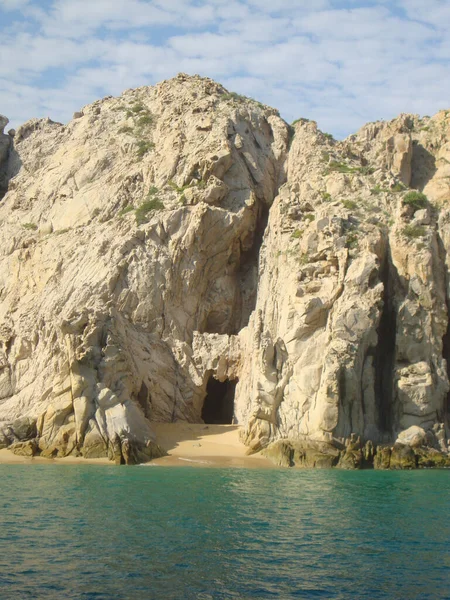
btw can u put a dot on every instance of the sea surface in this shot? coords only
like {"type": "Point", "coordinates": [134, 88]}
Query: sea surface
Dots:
{"type": "Point", "coordinates": [100, 532]}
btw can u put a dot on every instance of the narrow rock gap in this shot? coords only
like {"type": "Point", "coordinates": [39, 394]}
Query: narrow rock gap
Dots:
{"type": "Point", "coordinates": [446, 353]}
{"type": "Point", "coordinates": [218, 407]}
{"type": "Point", "coordinates": [446, 337]}
{"type": "Point", "coordinates": [385, 351]}
{"type": "Point", "coordinates": [143, 398]}
{"type": "Point", "coordinates": [4, 178]}
{"type": "Point", "coordinates": [246, 282]}
{"type": "Point", "coordinates": [247, 274]}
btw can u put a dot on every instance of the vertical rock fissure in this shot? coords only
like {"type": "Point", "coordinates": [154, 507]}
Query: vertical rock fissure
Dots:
{"type": "Point", "coordinates": [446, 337]}
{"type": "Point", "coordinates": [248, 271]}
{"type": "Point", "coordinates": [5, 151]}
{"type": "Point", "coordinates": [385, 351]}
{"type": "Point", "coordinates": [442, 253]}
{"type": "Point", "coordinates": [446, 355]}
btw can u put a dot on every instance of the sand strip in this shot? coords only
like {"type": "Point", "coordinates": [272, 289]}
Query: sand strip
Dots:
{"type": "Point", "coordinates": [187, 445]}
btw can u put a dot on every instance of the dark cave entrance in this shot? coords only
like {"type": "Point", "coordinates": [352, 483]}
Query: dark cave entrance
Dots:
{"type": "Point", "coordinates": [218, 408]}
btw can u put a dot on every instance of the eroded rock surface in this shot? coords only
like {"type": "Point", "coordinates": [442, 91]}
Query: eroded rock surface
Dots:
{"type": "Point", "coordinates": [179, 233]}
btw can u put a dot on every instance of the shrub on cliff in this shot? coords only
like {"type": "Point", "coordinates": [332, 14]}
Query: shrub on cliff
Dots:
{"type": "Point", "coordinates": [145, 208]}
{"type": "Point", "coordinates": [414, 231]}
{"type": "Point", "coordinates": [416, 200]}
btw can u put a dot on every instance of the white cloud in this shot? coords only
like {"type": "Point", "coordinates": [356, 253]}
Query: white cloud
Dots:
{"type": "Point", "coordinates": [12, 4]}
{"type": "Point", "coordinates": [340, 65]}
{"type": "Point", "coordinates": [434, 12]}
{"type": "Point", "coordinates": [83, 17]}
{"type": "Point", "coordinates": [34, 54]}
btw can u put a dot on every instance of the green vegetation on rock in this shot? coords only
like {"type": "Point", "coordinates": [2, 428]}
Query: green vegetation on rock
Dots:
{"type": "Point", "coordinates": [349, 204]}
{"type": "Point", "coordinates": [414, 231]}
{"type": "Point", "coordinates": [351, 241]}
{"type": "Point", "coordinates": [416, 200]}
{"type": "Point", "coordinates": [125, 210]}
{"type": "Point", "coordinates": [144, 146]}
{"type": "Point", "coordinates": [147, 207]}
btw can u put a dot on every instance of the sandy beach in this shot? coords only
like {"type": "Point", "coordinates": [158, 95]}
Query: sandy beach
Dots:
{"type": "Point", "coordinates": [7, 458]}
{"type": "Point", "coordinates": [188, 445]}
{"type": "Point", "coordinates": [204, 445]}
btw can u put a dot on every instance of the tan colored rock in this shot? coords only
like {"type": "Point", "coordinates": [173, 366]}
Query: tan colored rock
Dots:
{"type": "Point", "coordinates": [98, 314]}
{"type": "Point", "coordinates": [28, 448]}
{"type": "Point", "coordinates": [177, 234]}
{"type": "Point", "coordinates": [413, 436]}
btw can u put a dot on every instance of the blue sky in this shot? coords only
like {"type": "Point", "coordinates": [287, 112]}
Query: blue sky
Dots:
{"type": "Point", "coordinates": [340, 62]}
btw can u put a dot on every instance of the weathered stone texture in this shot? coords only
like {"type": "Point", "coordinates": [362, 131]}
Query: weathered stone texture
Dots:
{"type": "Point", "coordinates": [178, 233]}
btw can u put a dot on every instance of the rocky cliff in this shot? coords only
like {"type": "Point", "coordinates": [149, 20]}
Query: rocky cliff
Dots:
{"type": "Point", "coordinates": [182, 253]}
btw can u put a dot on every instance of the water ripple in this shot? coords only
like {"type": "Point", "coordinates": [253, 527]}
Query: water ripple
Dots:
{"type": "Point", "coordinates": [88, 532]}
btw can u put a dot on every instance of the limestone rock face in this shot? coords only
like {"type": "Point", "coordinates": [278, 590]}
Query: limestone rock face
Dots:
{"type": "Point", "coordinates": [180, 233]}
{"type": "Point", "coordinates": [350, 330]}
{"type": "Point", "coordinates": [128, 257]}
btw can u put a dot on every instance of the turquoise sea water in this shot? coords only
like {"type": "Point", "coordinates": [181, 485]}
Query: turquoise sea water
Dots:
{"type": "Point", "coordinates": [100, 532]}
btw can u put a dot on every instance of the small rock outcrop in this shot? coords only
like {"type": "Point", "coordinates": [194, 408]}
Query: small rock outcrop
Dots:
{"type": "Point", "coordinates": [180, 234]}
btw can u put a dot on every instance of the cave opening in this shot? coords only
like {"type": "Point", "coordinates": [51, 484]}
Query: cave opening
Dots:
{"type": "Point", "coordinates": [218, 407]}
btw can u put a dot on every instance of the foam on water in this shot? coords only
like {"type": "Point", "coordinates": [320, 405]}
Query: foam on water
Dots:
{"type": "Point", "coordinates": [100, 532]}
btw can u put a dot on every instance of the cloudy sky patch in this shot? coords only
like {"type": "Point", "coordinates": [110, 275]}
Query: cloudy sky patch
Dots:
{"type": "Point", "coordinates": [339, 62]}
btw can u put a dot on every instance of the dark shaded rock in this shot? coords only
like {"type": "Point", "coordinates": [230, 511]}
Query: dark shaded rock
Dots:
{"type": "Point", "coordinates": [428, 458]}
{"type": "Point", "coordinates": [302, 454]}
{"type": "Point", "coordinates": [352, 457]}
{"type": "Point", "coordinates": [3, 123]}
{"type": "Point", "coordinates": [318, 455]}
{"type": "Point", "coordinates": [95, 450]}
{"type": "Point", "coordinates": [280, 453]}
{"type": "Point", "coordinates": [134, 453]}
{"type": "Point", "coordinates": [4, 441]}
{"type": "Point", "coordinates": [402, 457]}
{"type": "Point", "coordinates": [382, 458]}
{"type": "Point", "coordinates": [369, 454]}
{"type": "Point", "coordinates": [24, 428]}
{"type": "Point", "coordinates": [5, 147]}
{"type": "Point", "coordinates": [115, 451]}
{"type": "Point", "coordinates": [28, 448]}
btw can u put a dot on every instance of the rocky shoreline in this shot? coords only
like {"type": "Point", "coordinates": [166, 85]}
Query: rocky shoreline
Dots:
{"type": "Point", "coordinates": [355, 455]}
